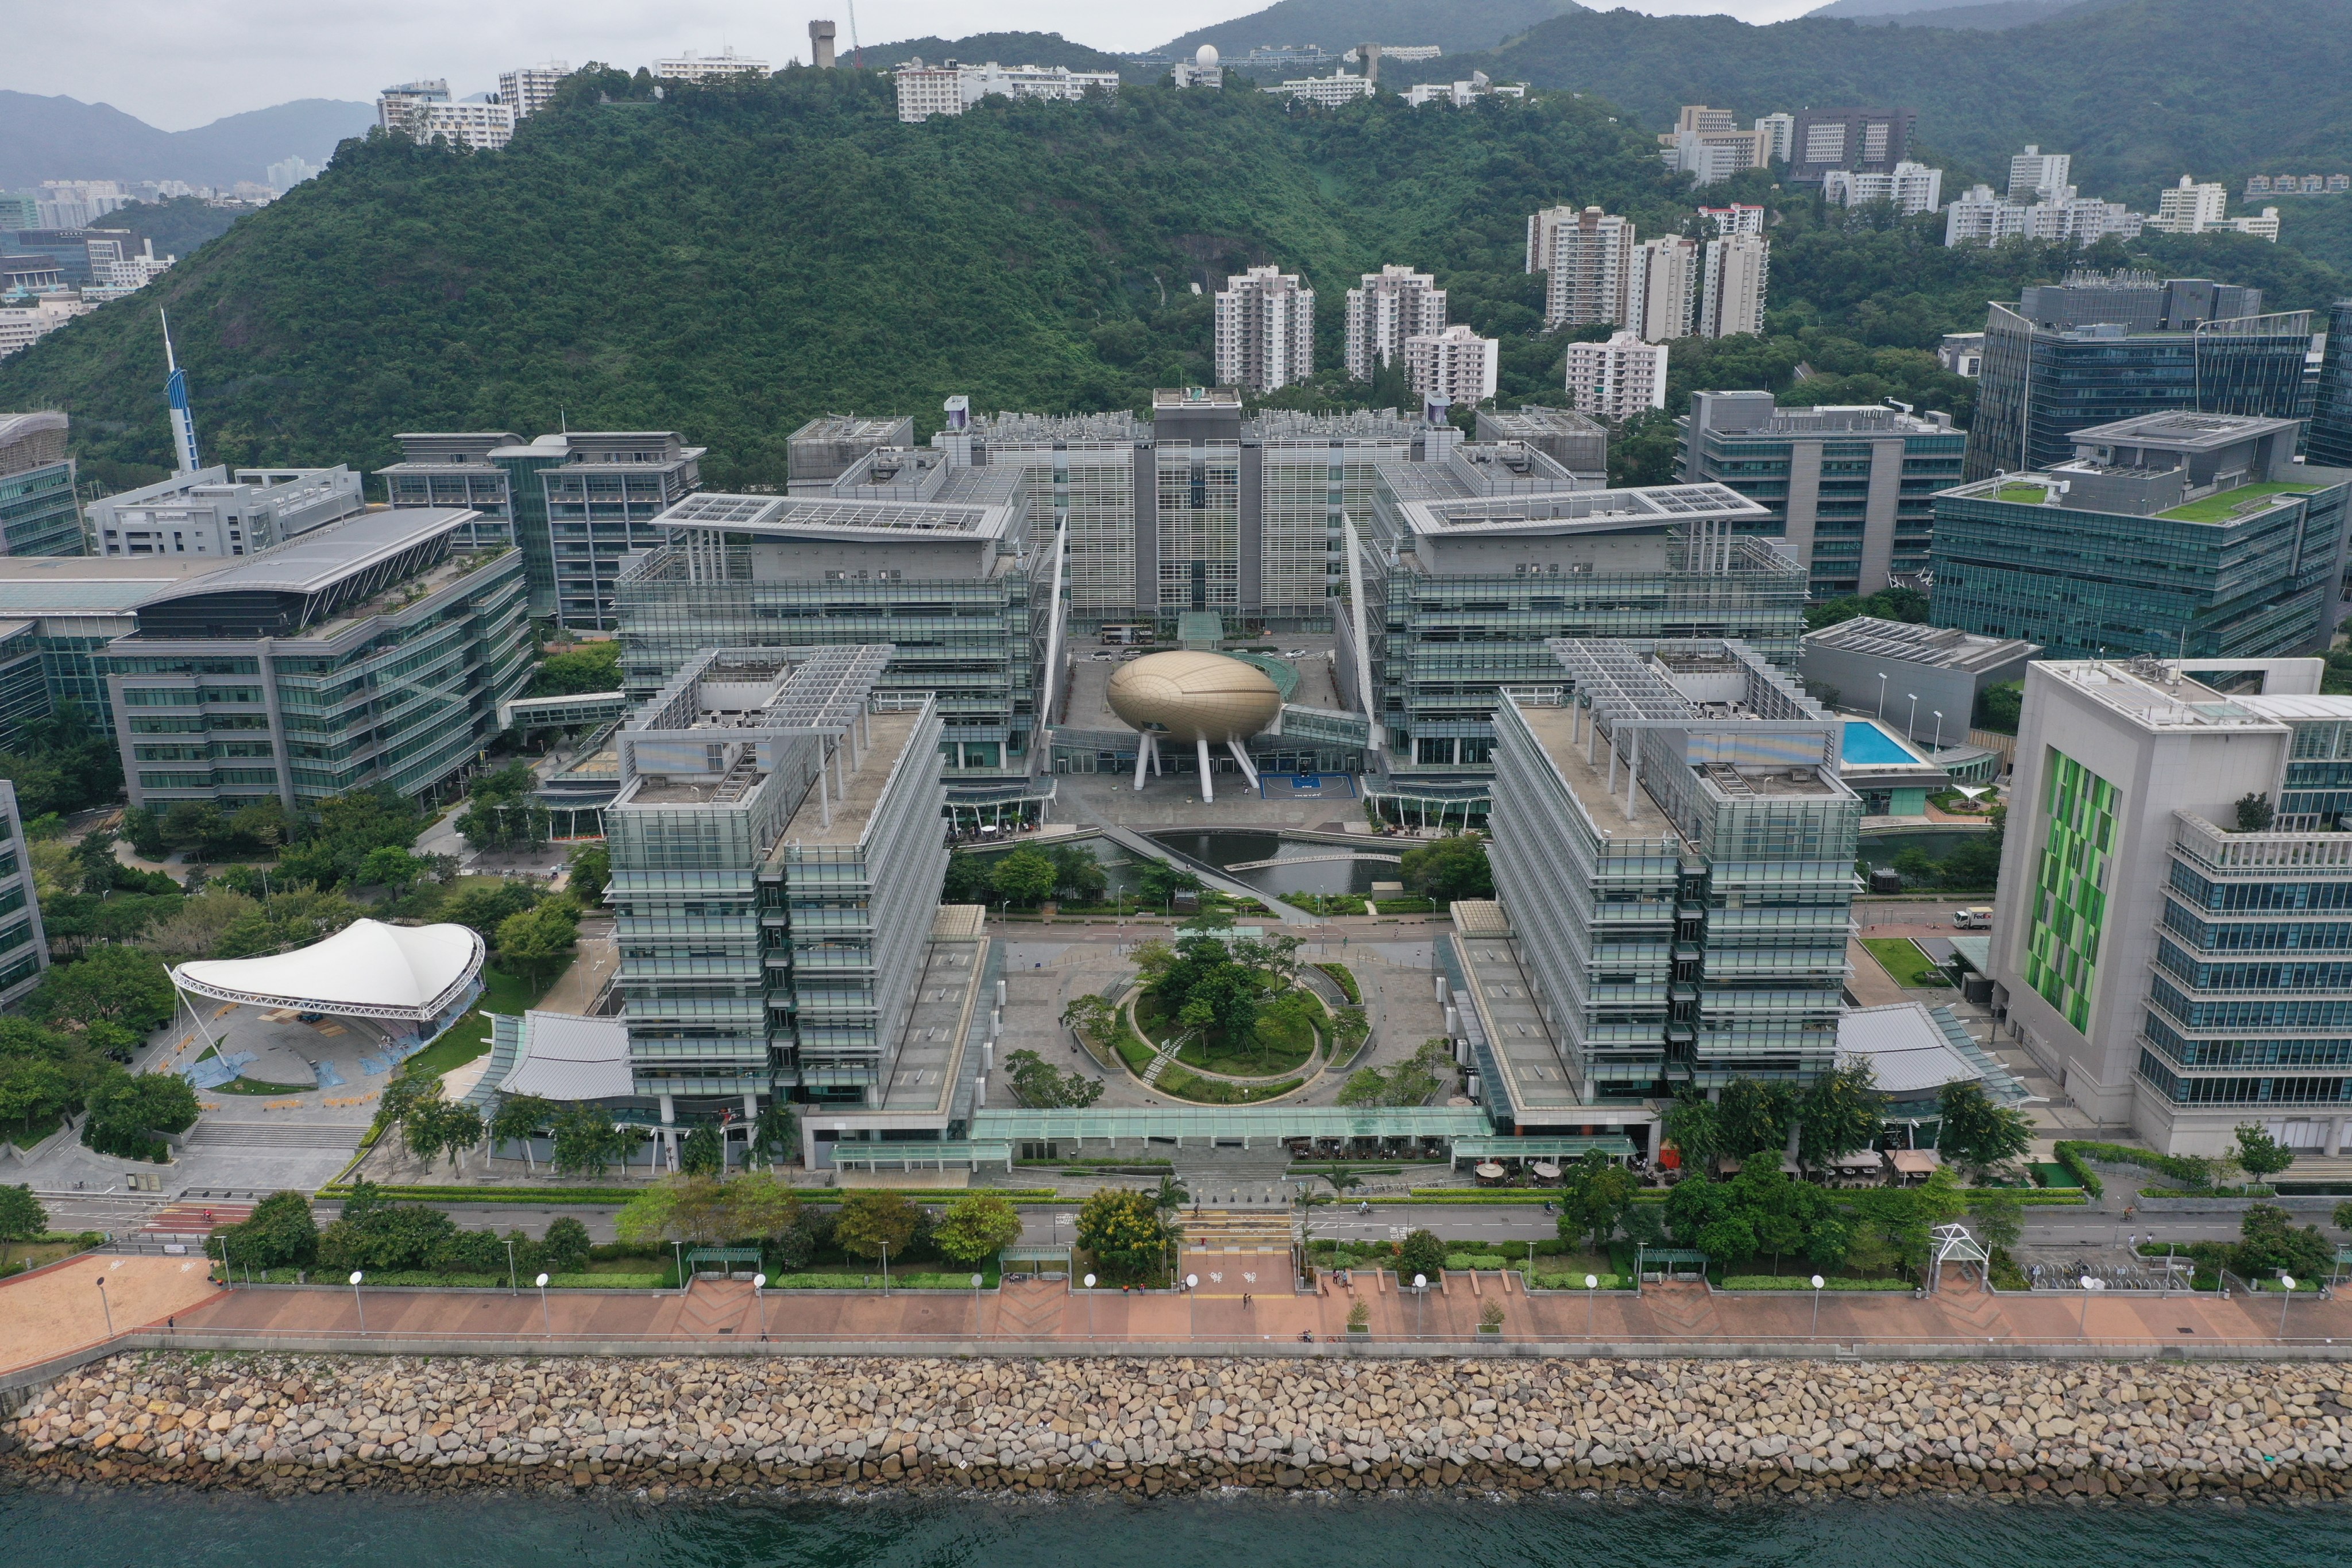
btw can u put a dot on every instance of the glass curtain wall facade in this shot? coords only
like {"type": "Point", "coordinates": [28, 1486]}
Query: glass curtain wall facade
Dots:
{"type": "Point", "coordinates": [399, 690]}
{"type": "Point", "coordinates": [2087, 583]}
{"type": "Point", "coordinates": [24, 946]}
{"type": "Point", "coordinates": [2038, 387]}
{"type": "Point", "coordinates": [2331, 408]}
{"type": "Point", "coordinates": [38, 515]}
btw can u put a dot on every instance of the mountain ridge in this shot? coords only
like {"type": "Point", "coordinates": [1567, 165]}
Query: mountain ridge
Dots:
{"type": "Point", "coordinates": [59, 138]}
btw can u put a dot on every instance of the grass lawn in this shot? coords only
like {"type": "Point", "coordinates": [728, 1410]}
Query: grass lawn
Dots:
{"type": "Point", "coordinates": [2229, 503]}
{"type": "Point", "coordinates": [1902, 958]}
{"type": "Point", "coordinates": [469, 1037]}
{"type": "Point", "coordinates": [2022, 495]}
{"type": "Point", "coordinates": [254, 1086]}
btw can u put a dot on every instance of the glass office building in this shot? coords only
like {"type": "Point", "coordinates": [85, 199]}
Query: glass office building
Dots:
{"type": "Point", "coordinates": [1675, 850]}
{"type": "Point", "coordinates": [2331, 408]}
{"type": "Point", "coordinates": [1472, 565]}
{"type": "Point", "coordinates": [938, 561]}
{"type": "Point", "coordinates": [2096, 349]}
{"type": "Point", "coordinates": [368, 653]}
{"type": "Point", "coordinates": [777, 857]}
{"type": "Point", "coordinates": [1852, 491]}
{"type": "Point", "coordinates": [2182, 535]}
{"type": "Point", "coordinates": [38, 515]}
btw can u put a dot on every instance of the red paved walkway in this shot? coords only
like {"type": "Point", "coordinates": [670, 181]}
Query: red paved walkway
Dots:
{"type": "Point", "coordinates": [715, 1311]}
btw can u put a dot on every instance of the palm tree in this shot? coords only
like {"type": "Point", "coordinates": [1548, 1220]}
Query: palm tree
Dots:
{"type": "Point", "coordinates": [1343, 1181]}
{"type": "Point", "coordinates": [1171, 1194]}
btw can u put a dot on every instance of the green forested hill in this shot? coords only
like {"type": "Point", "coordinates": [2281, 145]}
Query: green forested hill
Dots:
{"type": "Point", "coordinates": [732, 260]}
{"type": "Point", "coordinates": [2141, 93]}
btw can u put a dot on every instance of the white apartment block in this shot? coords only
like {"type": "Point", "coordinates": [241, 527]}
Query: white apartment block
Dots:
{"type": "Point", "coordinates": [1980, 217]}
{"type": "Point", "coordinates": [1661, 289]}
{"type": "Point", "coordinates": [2190, 207]}
{"type": "Point", "coordinates": [1456, 365]}
{"type": "Point", "coordinates": [1462, 94]}
{"type": "Point", "coordinates": [1778, 131]}
{"type": "Point", "coordinates": [1328, 91]}
{"type": "Point", "coordinates": [1737, 218]}
{"type": "Point", "coordinates": [2038, 176]}
{"type": "Point", "coordinates": [1265, 331]}
{"type": "Point", "coordinates": [950, 87]}
{"type": "Point", "coordinates": [1914, 188]}
{"type": "Point", "coordinates": [1708, 145]}
{"type": "Point", "coordinates": [78, 204]}
{"type": "Point", "coordinates": [527, 89]}
{"type": "Point", "coordinates": [485, 127]}
{"type": "Point", "coordinates": [1618, 379]}
{"type": "Point", "coordinates": [2264, 228]}
{"type": "Point", "coordinates": [1587, 255]}
{"type": "Point", "coordinates": [289, 172]}
{"type": "Point", "coordinates": [706, 68]}
{"type": "Point", "coordinates": [394, 104]}
{"type": "Point", "coordinates": [1731, 291]}
{"type": "Point", "coordinates": [1394, 303]}
{"type": "Point", "coordinates": [23, 326]}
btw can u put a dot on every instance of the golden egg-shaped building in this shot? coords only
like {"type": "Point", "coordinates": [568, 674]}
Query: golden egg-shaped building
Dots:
{"type": "Point", "coordinates": [1194, 696]}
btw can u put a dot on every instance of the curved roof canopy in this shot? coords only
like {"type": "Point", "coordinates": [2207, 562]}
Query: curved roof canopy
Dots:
{"type": "Point", "coordinates": [367, 970]}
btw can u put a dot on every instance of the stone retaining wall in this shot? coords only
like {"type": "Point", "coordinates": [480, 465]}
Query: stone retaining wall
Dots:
{"type": "Point", "coordinates": [279, 1423]}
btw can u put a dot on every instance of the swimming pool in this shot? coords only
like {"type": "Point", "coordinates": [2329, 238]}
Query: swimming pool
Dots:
{"type": "Point", "coordinates": [1867, 742]}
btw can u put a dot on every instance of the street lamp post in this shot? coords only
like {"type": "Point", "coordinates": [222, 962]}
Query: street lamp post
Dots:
{"type": "Point", "coordinates": [545, 1321]}
{"type": "Point", "coordinates": [1090, 1308]}
{"type": "Point", "coordinates": [511, 1286]}
{"type": "Point", "coordinates": [2089, 1285]}
{"type": "Point", "coordinates": [1591, 1284]}
{"type": "Point", "coordinates": [1911, 725]}
{"type": "Point", "coordinates": [1192, 1317]}
{"type": "Point", "coordinates": [1420, 1304]}
{"type": "Point", "coordinates": [2286, 1294]}
{"type": "Point", "coordinates": [1939, 730]}
{"type": "Point", "coordinates": [976, 1281]}
{"type": "Point", "coordinates": [109, 1306]}
{"type": "Point", "coordinates": [759, 1295]}
{"type": "Point", "coordinates": [1817, 1283]}
{"type": "Point", "coordinates": [1881, 694]}
{"type": "Point", "coordinates": [358, 1304]}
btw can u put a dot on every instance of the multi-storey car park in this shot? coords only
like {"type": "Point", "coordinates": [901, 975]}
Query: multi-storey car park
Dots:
{"type": "Point", "coordinates": [1674, 854]}
{"type": "Point", "coordinates": [366, 653]}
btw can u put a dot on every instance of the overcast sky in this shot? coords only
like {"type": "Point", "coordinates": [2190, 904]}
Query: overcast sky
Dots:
{"type": "Point", "coordinates": [181, 63]}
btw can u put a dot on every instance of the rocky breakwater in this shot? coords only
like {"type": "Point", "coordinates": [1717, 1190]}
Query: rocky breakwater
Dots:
{"type": "Point", "coordinates": [1153, 1426]}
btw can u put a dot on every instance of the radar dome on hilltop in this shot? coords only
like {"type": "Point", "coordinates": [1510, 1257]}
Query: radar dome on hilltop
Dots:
{"type": "Point", "coordinates": [1206, 56]}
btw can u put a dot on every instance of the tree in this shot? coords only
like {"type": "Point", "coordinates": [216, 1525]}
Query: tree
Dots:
{"type": "Point", "coordinates": [1091, 1016]}
{"type": "Point", "coordinates": [1159, 882]}
{"type": "Point", "coordinates": [589, 873]}
{"type": "Point", "coordinates": [565, 1248]}
{"type": "Point", "coordinates": [1350, 1027]}
{"type": "Point", "coordinates": [126, 985]}
{"type": "Point", "coordinates": [775, 1136]}
{"type": "Point", "coordinates": [1841, 1110]}
{"type": "Point", "coordinates": [1694, 1204]}
{"type": "Point", "coordinates": [1729, 1241]}
{"type": "Point", "coordinates": [1342, 1181]}
{"type": "Point", "coordinates": [22, 1219]}
{"type": "Point", "coordinates": [1409, 1082]}
{"type": "Point", "coordinates": [1449, 868]}
{"type": "Point", "coordinates": [410, 1090]}
{"type": "Point", "coordinates": [1975, 1131]}
{"type": "Point", "coordinates": [976, 1228]}
{"type": "Point", "coordinates": [456, 1127]}
{"type": "Point", "coordinates": [1754, 1117]}
{"type": "Point", "coordinates": [1125, 1232]}
{"type": "Point", "coordinates": [126, 1112]}
{"type": "Point", "coordinates": [2255, 812]}
{"type": "Point", "coordinates": [1594, 1195]}
{"type": "Point", "coordinates": [421, 1123]}
{"type": "Point", "coordinates": [520, 1118]}
{"type": "Point", "coordinates": [2000, 1216]}
{"type": "Point", "coordinates": [875, 1222]}
{"type": "Point", "coordinates": [483, 907]}
{"type": "Point", "coordinates": [540, 941]}
{"type": "Point", "coordinates": [195, 928]}
{"type": "Point", "coordinates": [1078, 877]}
{"type": "Point", "coordinates": [586, 1142]}
{"type": "Point", "coordinates": [145, 832]}
{"type": "Point", "coordinates": [1422, 1254]}
{"type": "Point", "coordinates": [967, 880]}
{"type": "Point", "coordinates": [1694, 1129]}
{"type": "Point", "coordinates": [1024, 877]}
{"type": "Point", "coordinates": [2343, 1216]}
{"type": "Point", "coordinates": [281, 1232]}
{"type": "Point", "coordinates": [2270, 1244]}
{"type": "Point", "coordinates": [759, 1205]}
{"type": "Point", "coordinates": [583, 670]}
{"type": "Point", "coordinates": [1041, 1084]}
{"type": "Point", "coordinates": [702, 1153]}
{"type": "Point", "coordinates": [2261, 1155]}
{"type": "Point", "coordinates": [396, 870]}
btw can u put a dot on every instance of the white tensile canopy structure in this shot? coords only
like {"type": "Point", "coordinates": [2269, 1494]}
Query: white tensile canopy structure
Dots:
{"type": "Point", "coordinates": [406, 974]}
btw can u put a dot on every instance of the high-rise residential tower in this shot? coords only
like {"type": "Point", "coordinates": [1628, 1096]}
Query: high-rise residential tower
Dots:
{"type": "Point", "coordinates": [1264, 330]}
{"type": "Point", "coordinates": [1731, 292]}
{"type": "Point", "coordinates": [1587, 257]}
{"type": "Point", "coordinates": [1392, 304]}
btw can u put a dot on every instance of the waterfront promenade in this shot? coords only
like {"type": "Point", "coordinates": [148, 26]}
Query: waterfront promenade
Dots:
{"type": "Point", "coordinates": [44, 1317]}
